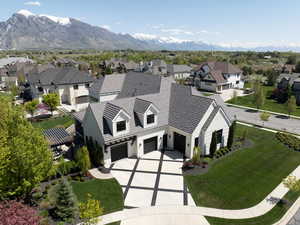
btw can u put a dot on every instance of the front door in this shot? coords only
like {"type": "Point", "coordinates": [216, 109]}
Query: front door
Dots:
{"type": "Point", "coordinates": [165, 141]}
{"type": "Point", "coordinates": [179, 142]}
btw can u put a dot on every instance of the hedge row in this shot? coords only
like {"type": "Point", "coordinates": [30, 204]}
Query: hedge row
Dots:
{"type": "Point", "coordinates": [221, 152]}
{"type": "Point", "coordinates": [289, 140]}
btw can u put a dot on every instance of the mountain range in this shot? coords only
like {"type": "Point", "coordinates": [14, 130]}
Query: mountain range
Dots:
{"type": "Point", "coordinates": [25, 30]}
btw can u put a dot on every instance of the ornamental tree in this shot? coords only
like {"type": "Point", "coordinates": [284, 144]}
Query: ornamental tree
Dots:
{"type": "Point", "coordinates": [231, 134]}
{"type": "Point", "coordinates": [292, 183]}
{"type": "Point", "coordinates": [52, 101]}
{"type": "Point", "coordinates": [213, 144]}
{"type": "Point", "coordinates": [291, 105]}
{"type": "Point", "coordinates": [31, 107]}
{"type": "Point", "coordinates": [90, 210]}
{"type": "Point", "coordinates": [16, 213]}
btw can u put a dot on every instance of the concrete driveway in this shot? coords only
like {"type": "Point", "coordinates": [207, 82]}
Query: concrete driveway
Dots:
{"type": "Point", "coordinates": [228, 94]}
{"type": "Point", "coordinates": [153, 180]}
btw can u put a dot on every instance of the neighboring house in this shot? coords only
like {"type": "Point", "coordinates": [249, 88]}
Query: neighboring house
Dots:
{"type": "Point", "coordinates": [106, 88]}
{"type": "Point", "coordinates": [66, 62]}
{"type": "Point", "coordinates": [217, 76]}
{"type": "Point", "coordinates": [155, 67]}
{"type": "Point", "coordinates": [171, 117]}
{"type": "Point", "coordinates": [69, 83]}
{"type": "Point", "coordinates": [10, 68]}
{"type": "Point", "coordinates": [179, 71]}
{"type": "Point", "coordinates": [293, 80]}
{"type": "Point", "coordinates": [120, 64]}
{"type": "Point", "coordinates": [287, 68]}
{"type": "Point", "coordinates": [109, 87]}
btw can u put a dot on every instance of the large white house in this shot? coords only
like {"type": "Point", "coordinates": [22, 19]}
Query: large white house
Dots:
{"type": "Point", "coordinates": [217, 76]}
{"type": "Point", "coordinates": [137, 122]}
{"type": "Point", "coordinates": [69, 83]}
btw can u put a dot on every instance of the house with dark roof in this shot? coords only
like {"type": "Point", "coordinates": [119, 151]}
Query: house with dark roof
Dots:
{"type": "Point", "coordinates": [69, 83]}
{"type": "Point", "coordinates": [138, 122]}
{"type": "Point", "coordinates": [155, 67]}
{"type": "Point", "coordinates": [217, 76]}
{"type": "Point", "coordinates": [179, 71]}
{"type": "Point", "coordinates": [286, 80]}
{"type": "Point", "coordinates": [110, 87]}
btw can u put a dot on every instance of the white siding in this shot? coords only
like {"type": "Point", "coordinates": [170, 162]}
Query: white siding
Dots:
{"type": "Point", "coordinates": [218, 123]}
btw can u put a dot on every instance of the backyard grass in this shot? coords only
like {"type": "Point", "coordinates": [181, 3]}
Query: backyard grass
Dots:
{"type": "Point", "coordinates": [246, 177]}
{"type": "Point", "coordinates": [64, 121]}
{"type": "Point", "coordinates": [269, 218]}
{"type": "Point", "coordinates": [270, 104]}
{"type": "Point", "coordinates": [109, 193]}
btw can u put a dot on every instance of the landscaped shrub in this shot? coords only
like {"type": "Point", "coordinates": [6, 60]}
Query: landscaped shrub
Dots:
{"type": "Point", "coordinates": [67, 167]}
{"type": "Point", "coordinates": [213, 144]}
{"type": "Point", "coordinates": [289, 140]}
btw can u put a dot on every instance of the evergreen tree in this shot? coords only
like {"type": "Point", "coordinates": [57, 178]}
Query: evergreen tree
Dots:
{"type": "Point", "coordinates": [65, 203]}
{"type": "Point", "coordinates": [231, 134]}
{"type": "Point", "coordinates": [213, 144]}
{"type": "Point", "coordinates": [83, 159]}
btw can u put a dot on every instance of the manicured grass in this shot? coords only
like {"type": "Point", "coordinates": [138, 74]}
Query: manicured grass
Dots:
{"type": "Point", "coordinates": [246, 177]}
{"type": "Point", "coordinates": [270, 104]}
{"type": "Point", "coordinates": [109, 193]}
{"type": "Point", "coordinates": [64, 121]}
{"type": "Point", "coordinates": [269, 218]}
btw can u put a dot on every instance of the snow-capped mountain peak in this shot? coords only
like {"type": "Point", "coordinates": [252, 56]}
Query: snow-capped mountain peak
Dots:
{"type": "Point", "coordinates": [25, 13]}
{"type": "Point", "coordinates": [60, 20]}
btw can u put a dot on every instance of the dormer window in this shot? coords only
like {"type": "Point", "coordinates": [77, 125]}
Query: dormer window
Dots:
{"type": "Point", "coordinates": [121, 126]}
{"type": "Point", "coordinates": [150, 119]}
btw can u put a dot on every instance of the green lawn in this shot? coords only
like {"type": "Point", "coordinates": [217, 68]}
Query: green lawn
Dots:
{"type": "Point", "coordinates": [270, 104]}
{"type": "Point", "coordinates": [109, 193]}
{"type": "Point", "coordinates": [246, 177]}
{"type": "Point", "coordinates": [267, 219]}
{"type": "Point", "coordinates": [64, 121]}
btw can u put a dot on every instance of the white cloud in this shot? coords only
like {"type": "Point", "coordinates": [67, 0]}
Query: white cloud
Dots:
{"type": "Point", "coordinates": [107, 27]}
{"type": "Point", "coordinates": [33, 3]}
{"type": "Point", "coordinates": [170, 39]}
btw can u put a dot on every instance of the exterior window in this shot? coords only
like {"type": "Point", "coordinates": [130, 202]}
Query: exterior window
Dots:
{"type": "Point", "coordinates": [75, 87]}
{"type": "Point", "coordinates": [121, 126]}
{"type": "Point", "coordinates": [237, 82]}
{"type": "Point", "coordinates": [219, 135]}
{"type": "Point", "coordinates": [150, 119]}
{"type": "Point", "coordinates": [87, 85]}
{"type": "Point", "coordinates": [196, 142]}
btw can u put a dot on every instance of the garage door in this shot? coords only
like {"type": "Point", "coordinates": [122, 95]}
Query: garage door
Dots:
{"type": "Point", "coordinates": [119, 152]}
{"type": "Point", "coordinates": [150, 145]}
{"type": "Point", "coordinates": [82, 99]}
{"type": "Point", "coordinates": [179, 142]}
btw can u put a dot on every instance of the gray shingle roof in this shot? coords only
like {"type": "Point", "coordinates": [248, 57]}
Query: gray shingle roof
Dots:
{"type": "Point", "coordinates": [111, 111]}
{"type": "Point", "coordinates": [210, 118]}
{"type": "Point", "coordinates": [137, 84]}
{"type": "Point", "coordinates": [60, 76]}
{"type": "Point", "coordinates": [186, 110]}
{"type": "Point", "coordinates": [291, 77]}
{"type": "Point", "coordinates": [173, 68]}
{"type": "Point", "coordinates": [108, 83]}
{"type": "Point", "coordinates": [140, 105]}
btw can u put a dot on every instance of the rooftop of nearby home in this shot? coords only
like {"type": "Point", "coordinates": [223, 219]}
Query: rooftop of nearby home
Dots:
{"type": "Point", "coordinates": [60, 76]}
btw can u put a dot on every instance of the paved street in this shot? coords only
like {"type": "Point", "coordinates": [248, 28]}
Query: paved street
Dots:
{"type": "Point", "coordinates": [276, 121]}
{"type": "Point", "coordinates": [153, 180]}
{"type": "Point", "coordinates": [296, 219]}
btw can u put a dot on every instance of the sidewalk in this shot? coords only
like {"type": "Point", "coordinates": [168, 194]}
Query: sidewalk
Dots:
{"type": "Point", "coordinates": [261, 110]}
{"type": "Point", "coordinates": [192, 212]}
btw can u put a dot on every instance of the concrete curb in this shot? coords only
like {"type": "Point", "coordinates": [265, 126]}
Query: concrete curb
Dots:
{"type": "Point", "coordinates": [261, 110]}
{"type": "Point", "coordinates": [289, 214]}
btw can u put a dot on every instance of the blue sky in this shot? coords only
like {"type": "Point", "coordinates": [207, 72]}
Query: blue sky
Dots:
{"type": "Point", "coordinates": [230, 22]}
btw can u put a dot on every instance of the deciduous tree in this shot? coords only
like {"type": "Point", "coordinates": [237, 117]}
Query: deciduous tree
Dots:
{"type": "Point", "coordinates": [25, 159]}
{"type": "Point", "coordinates": [52, 101]}
{"type": "Point", "coordinates": [31, 106]}
{"type": "Point", "coordinates": [291, 105]}
{"type": "Point", "coordinates": [16, 213]}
